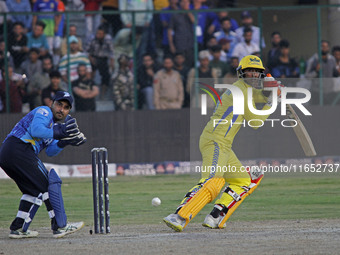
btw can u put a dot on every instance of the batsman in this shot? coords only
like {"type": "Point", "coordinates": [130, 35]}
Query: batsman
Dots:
{"type": "Point", "coordinates": [218, 158]}
{"type": "Point", "coordinates": [43, 128]}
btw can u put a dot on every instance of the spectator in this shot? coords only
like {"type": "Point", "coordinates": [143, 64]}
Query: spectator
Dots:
{"type": "Point", "coordinates": [4, 9]}
{"type": "Point", "coordinates": [232, 73]}
{"type": "Point", "coordinates": [37, 39]}
{"type": "Point", "coordinates": [92, 20]}
{"type": "Point", "coordinates": [203, 19]}
{"type": "Point", "coordinates": [123, 89]}
{"type": "Point", "coordinates": [142, 19]}
{"type": "Point", "coordinates": [21, 6]}
{"type": "Point", "coordinates": [48, 93]}
{"type": "Point", "coordinates": [204, 72]}
{"type": "Point", "coordinates": [336, 55]}
{"type": "Point", "coordinates": [51, 20]}
{"type": "Point", "coordinates": [145, 77]}
{"type": "Point", "coordinates": [31, 65]}
{"type": "Point", "coordinates": [274, 52]}
{"type": "Point", "coordinates": [144, 36]}
{"type": "Point", "coordinates": [72, 31]}
{"type": "Point", "coordinates": [216, 63]}
{"type": "Point", "coordinates": [168, 87]}
{"type": "Point", "coordinates": [247, 22]}
{"type": "Point", "coordinates": [76, 58]}
{"type": "Point", "coordinates": [59, 33]}
{"type": "Point", "coordinates": [226, 33]}
{"type": "Point", "coordinates": [225, 47]}
{"type": "Point", "coordinates": [16, 91]}
{"type": "Point", "coordinates": [84, 91]}
{"type": "Point", "coordinates": [3, 54]}
{"type": "Point", "coordinates": [217, 24]}
{"type": "Point", "coordinates": [101, 57]}
{"type": "Point", "coordinates": [38, 82]}
{"type": "Point", "coordinates": [165, 19]}
{"type": "Point", "coordinates": [179, 66]}
{"type": "Point", "coordinates": [181, 34]}
{"type": "Point", "coordinates": [247, 47]}
{"type": "Point", "coordinates": [111, 21]}
{"type": "Point", "coordinates": [17, 44]}
{"type": "Point", "coordinates": [328, 71]}
{"type": "Point", "coordinates": [285, 66]}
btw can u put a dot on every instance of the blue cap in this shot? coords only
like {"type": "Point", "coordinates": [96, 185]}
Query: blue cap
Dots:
{"type": "Point", "coordinates": [63, 95]}
{"type": "Point", "coordinates": [245, 14]}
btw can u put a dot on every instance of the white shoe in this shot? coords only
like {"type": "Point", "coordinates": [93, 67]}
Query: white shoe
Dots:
{"type": "Point", "coordinates": [211, 222]}
{"type": "Point", "coordinates": [175, 222]}
{"type": "Point", "coordinates": [17, 234]}
{"type": "Point", "coordinates": [68, 229]}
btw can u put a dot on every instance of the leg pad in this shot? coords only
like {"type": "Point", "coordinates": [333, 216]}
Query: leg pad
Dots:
{"type": "Point", "coordinates": [205, 195]}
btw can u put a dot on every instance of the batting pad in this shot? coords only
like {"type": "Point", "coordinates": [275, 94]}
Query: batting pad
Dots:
{"type": "Point", "coordinates": [205, 195]}
{"type": "Point", "coordinates": [233, 206]}
{"type": "Point", "coordinates": [56, 198]}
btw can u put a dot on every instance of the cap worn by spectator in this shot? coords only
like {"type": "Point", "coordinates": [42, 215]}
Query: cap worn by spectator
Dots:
{"type": "Point", "coordinates": [204, 54]}
{"type": "Point", "coordinates": [245, 14]}
{"type": "Point", "coordinates": [72, 39]}
{"type": "Point", "coordinates": [62, 95]}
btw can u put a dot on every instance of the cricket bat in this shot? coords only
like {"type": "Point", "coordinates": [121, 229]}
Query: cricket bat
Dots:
{"type": "Point", "coordinates": [301, 133]}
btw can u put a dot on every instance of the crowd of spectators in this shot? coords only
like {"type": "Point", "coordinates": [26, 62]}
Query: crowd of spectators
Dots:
{"type": "Point", "coordinates": [44, 56]}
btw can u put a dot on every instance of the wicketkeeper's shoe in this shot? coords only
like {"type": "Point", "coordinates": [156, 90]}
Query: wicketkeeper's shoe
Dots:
{"type": "Point", "coordinates": [175, 222]}
{"type": "Point", "coordinates": [211, 222]}
{"type": "Point", "coordinates": [68, 229]}
{"type": "Point", "coordinates": [18, 234]}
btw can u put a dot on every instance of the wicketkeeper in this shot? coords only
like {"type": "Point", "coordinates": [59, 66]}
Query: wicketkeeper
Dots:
{"type": "Point", "coordinates": [218, 156]}
{"type": "Point", "coordinates": [42, 128]}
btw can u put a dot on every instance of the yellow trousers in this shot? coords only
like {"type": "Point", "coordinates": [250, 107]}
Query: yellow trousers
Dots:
{"type": "Point", "coordinates": [219, 160]}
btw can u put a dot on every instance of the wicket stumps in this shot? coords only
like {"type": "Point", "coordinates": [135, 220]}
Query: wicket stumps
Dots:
{"type": "Point", "coordinates": [100, 165]}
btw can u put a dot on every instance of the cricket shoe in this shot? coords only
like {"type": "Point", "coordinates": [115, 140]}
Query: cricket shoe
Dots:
{"type": "Point", "coordinates": [211, 222]}
{"type": "Point", "coordinates": [175, 222]}
{"type": "Point", "coordinates": [68, 229]}
{"type": "Point", "coordinates": [18, 234]}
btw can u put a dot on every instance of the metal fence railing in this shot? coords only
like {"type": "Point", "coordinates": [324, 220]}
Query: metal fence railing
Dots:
{"type": "Point", "coordinates": [120, 63]}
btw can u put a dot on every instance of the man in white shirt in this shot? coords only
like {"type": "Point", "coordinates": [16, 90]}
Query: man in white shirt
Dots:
{"type": "Point", "coordinates": [247, 47]}
{"type": "Point", "coordinates": [247, 22]}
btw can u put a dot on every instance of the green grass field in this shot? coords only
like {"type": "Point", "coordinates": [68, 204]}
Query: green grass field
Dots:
{"type": "Point", "coordinates": [281, 198]}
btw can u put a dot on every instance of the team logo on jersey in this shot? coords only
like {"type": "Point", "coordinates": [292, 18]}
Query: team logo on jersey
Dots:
{"type": "Point", "coordinates": [43, 111]}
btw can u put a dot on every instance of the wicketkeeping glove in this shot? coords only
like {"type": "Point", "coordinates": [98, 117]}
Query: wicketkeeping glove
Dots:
{"type": "Point", "coordinates": [73, 140]}
{"type": "Point", "coordinates": [67, 129]}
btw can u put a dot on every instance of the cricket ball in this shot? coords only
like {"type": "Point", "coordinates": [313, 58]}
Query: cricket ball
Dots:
{"type": "Point", "coordinates": [156, 201]}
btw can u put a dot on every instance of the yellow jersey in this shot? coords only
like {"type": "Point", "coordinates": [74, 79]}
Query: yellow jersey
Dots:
{"type": "Point", "coordinates": [224, 124]}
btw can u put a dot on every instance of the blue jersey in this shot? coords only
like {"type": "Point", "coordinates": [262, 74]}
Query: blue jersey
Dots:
{"type": "Point", "coordinates": [36, 128]}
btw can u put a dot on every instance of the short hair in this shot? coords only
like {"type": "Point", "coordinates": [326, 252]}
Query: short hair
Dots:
{"type": "Point", "coordinates": [41, 24]}
{"type": "Point", "coordinates": [224, 19]}
{"type": "Point", "coordinates": [275, 33]}
{"type": "Point", "coordinates": [284, 43]}
{"type": "Point", "coordinates": [36, 50]}
{"type": "Point", "coordinates": [168, 56]}
{"type": "Point", "coordinates": [336, 48]}
{"type": "Point", "coordinates": [147, 54]}
{"type": "Point", "coordinates": [18, 23]}
{"type": "Point", "coordinates": [247, 30]}
{"type": "Point", "coordinates": [179, 53]}
{"type": "Point", "coordinates": [81, 65]}
{"type": "Point", "coordinates": [55, 74]}
{"type": "Point", "coordinates": [325, 41]}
